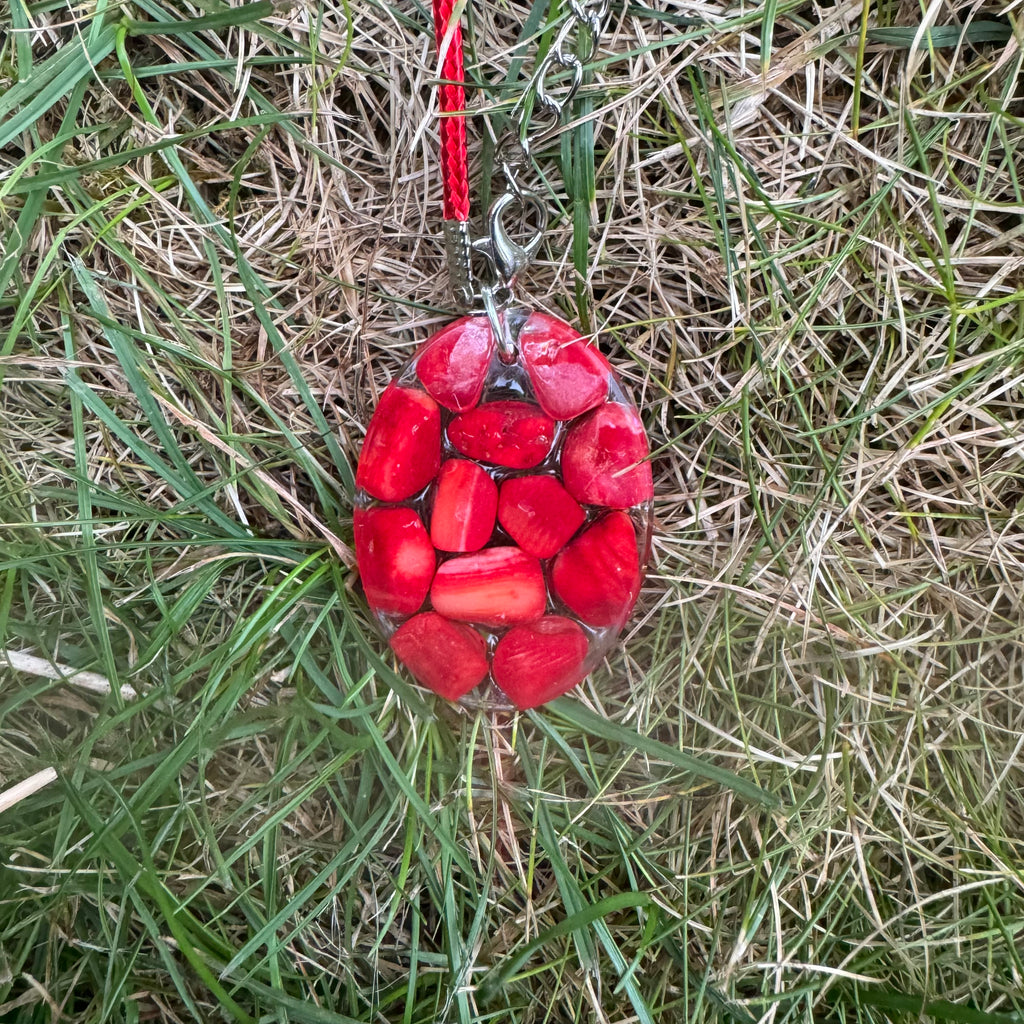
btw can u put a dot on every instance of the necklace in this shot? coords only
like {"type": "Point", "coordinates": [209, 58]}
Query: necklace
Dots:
{"type": "Point", "coordinates": [502, 520]}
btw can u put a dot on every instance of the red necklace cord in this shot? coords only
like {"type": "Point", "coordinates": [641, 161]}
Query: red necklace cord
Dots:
{"type": "Point", "coordinates": [454, 161]}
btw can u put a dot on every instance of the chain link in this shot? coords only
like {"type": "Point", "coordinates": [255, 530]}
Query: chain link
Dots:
{"type": "Point", "coordinates": [546, 95]}
{"type": "Point", "coordinates": [568, 53]}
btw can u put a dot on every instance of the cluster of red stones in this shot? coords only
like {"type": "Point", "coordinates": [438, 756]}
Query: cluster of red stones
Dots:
{"type": "Point", "coordinates": [502, 515]}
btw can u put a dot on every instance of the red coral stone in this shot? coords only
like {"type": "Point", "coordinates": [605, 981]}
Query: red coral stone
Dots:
{"type": "Point", "coordinates": [568, 375]}
{"type": "Point", "coordinates": [597, 575]}
{"type": "Point", "coordinates": [449, 657]}
{"type": "Point", "coordinates": [539, 514]}
{"type": "Point", "coordinates": [464, 507]}
{"type": "Point", "coordinates": [452, 364]}
{"type": "Point", "coordinates": [514, 434]}
{"type": "Point", "coordinates": [495, 587]}
{"type": "Point", "coordinates": [402, 449]}
{"type": "Point", "coordinates": [539, 661]}
{"type": "Point", "coordinates": [395, 557]}
{"type": "Point", "coordinates": [603, 461]}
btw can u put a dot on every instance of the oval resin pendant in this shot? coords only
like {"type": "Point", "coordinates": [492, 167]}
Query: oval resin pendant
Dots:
{"type": "Point", "coordinates": [503, 510]}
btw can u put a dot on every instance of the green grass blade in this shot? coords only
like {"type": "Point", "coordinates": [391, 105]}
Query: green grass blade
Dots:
{"type": "Point", "coordinates": [185, 481]}
{"type": "Point", "coordinates": [244, 14]}
{"type": "Point", "coordinates": [602, 908]}
{"type": "Point", "coordinates": [27, 101]}
{"type": "Point", "coordinates": [588, 722]}
{"type": "Point", "coordinates": [943, 36]}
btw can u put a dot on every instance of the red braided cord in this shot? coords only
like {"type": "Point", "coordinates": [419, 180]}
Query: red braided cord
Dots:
{"type": "Point", "coordinates": [454, 161]}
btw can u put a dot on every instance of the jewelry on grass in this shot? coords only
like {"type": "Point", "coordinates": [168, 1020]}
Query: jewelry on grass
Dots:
{"type": "Point", "coordinates": [503, 506]}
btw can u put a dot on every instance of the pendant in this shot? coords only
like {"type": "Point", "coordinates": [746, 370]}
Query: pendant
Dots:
{"type": "Point", "coordinates": [503, 510]}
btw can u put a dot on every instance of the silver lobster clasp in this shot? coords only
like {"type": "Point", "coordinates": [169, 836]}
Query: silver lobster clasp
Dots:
{"type": "Point", "coordinates": [507, 257]}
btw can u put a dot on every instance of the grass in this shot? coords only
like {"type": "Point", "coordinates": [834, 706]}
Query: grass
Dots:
{"type": "Point", "coordinates": [794, 793]}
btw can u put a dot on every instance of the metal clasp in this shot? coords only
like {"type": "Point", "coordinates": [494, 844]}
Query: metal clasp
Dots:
{"type": "Point", "coordinates": [547, 93]}
{"type": "Point", "coordinates": [506, 257]}
{"type": "Point", "coordinates": [506, 260]}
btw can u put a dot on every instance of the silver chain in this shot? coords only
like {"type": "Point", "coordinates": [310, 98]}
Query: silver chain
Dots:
{"type": "Point", "coordinates": [568, 53]}
{"type": "Point", "coordinates": [575, 45]}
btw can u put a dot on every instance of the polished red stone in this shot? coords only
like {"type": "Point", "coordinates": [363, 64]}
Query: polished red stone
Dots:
{"type": "Point", "coordinates": [402, 450]}
{"type": "Point", "coordinates": [453, 363]}
{"type": "Point", "coordinates": [464, 507]}
{"type": "Point", "coordinates": [538, 513]}
{"type": "Point", "coordinates": [395, 557]}
{"type": "Point", "coordinates": [536, 662]}
{"type": "Point", "coordinates": [604, 459]}
{"type": "Point", "coordinates": [569, 377]}
{"type": "Point", "coordinates": [449, 657]}
{"type": "Point", "coordinates": [545, 453]}
{"type": "Point", "coordinates": [597, 575]}
{"type": "Point", "coordinates": [496, 587]}
{"type": "Point", "coordinates": [513, 434]}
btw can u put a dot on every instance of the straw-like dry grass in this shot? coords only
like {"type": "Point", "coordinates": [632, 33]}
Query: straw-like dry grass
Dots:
{"type": "Point", "coordinates": [805, 252]}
